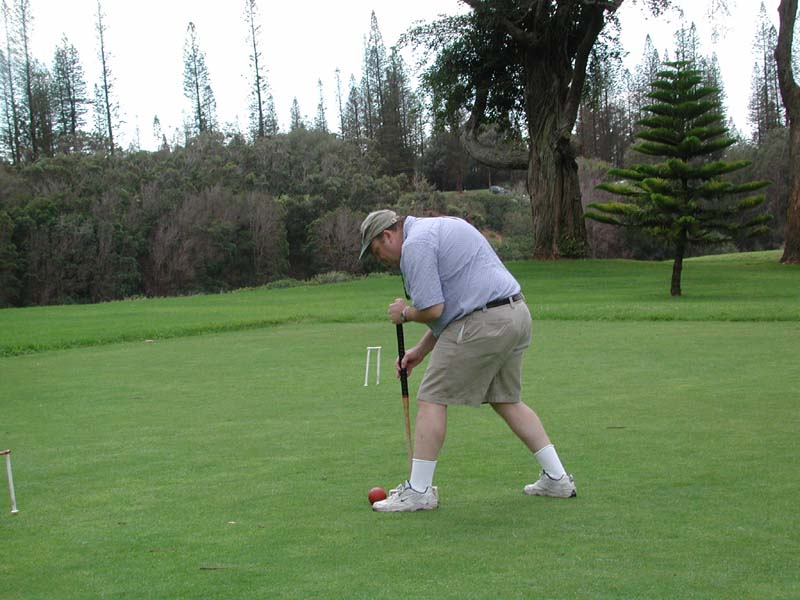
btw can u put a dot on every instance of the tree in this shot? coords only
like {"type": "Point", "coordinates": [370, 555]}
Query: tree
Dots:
{"type": "Point", "coordinates": [353, 118]}
{"type": "Point", "coordinates": [197, 84]}
{"type": "Point", "coordinates": [687, 44]}
{"type": "Point", "coordinates": [790, 92]}
{"type": "Point", "coordinates": [765, 109]}
{"type": "Point", "coordinates": [321, 122]}
{"type": "Point", "coordinates": [259, 89]}
{"type": "Point", "coordinates": [601, 127]}
{"type": "Point", "coordinates": [69, 95]}
{"type": "Point", "coordinates": [372, 79]}
{"type": "Point", "coordinates": [105, 105]}
{"type": "Point", "coordinates": [12, 135]}
{"type": "Point", "coordinates": [270, 118]}
{"type": "Point", "coordinates": [646, 72]}
{"type": "Point", "coordinates": [27, 75]}
{"type": "Point", "coordinates": [296, 120]}
{"type": "Point", "coordinates": [392, 131]}
{"type": "Point", "coordinates": [528, 58]}
{"type": "Point", "coordinates": [682, 200]}
{"type": "Point", "coordinates": [339, 101]}
{"type": "Point", "coordinates": [41, 99]}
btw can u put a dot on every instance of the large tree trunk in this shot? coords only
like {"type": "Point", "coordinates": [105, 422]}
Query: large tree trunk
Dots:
{"type": "Point", "coordinates": [559, 230]}
{"type": "Point", "coordinates": [791, 248]}
{"type": "Point", "coordinates": [790, 91]}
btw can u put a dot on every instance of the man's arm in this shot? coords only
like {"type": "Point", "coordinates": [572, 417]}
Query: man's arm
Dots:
{"type": "Point", "coordinates": [400, 312]}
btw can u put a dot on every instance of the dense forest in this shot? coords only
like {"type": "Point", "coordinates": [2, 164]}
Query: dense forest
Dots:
{"type": "Point", "coordinates": [85, 220]}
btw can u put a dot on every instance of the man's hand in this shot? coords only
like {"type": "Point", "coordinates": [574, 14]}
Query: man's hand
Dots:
{"type": "Point", "coordinates": [396, 311]}
{"type": "Point", "coordinates": [411, 359]}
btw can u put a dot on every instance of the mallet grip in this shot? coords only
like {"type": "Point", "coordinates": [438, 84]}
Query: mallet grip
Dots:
{"type": "Point", "coordinates": [401, 352]}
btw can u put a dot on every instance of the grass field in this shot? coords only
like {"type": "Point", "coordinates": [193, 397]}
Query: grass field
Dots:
{"type": "Point", "coordinates": [231, 455]}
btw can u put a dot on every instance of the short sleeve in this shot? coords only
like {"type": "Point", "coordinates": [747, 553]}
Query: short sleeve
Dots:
{"type": "Point", "coordinates": [420, 267]}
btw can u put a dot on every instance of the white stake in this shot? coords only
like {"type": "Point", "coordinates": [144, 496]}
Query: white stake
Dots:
{"type": "Point", "coordinates": [377, 365]}
{"type": "Point", "coordinates": [14, 510]}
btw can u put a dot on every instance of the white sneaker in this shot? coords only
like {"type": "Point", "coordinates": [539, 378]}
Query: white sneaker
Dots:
{"type": "Point", "coordinates": [563, 487]}
{"type": "Point", "coordinates": [402, 486]}
{"type": "Point", "coordinates": [404, 499]}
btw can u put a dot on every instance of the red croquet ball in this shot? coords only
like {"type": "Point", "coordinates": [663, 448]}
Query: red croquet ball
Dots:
{"type": "Point", "coordinates": [376, 494]}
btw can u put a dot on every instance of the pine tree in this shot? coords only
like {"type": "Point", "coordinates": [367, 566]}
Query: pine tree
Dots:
{"type": "Point", "coordinates": [339, 101]}
{"type": "Point", "coordinates": [259, 88]}
{"type": "Point", "coordinates": [271, 128]}
{"type": "Point", "coordinates": [353, 119]}
{"type": "Point", "coordinates": [391, 135]}
{"type": "Point", "coordinates": [765, 107]}
{"type": "Point", "coordinates": [104, 103]}
{"type": "Point", "coordinates": [11, 128]}
{"type": "Point", "coordinates": [682, 200]}
{"type": "Point", "coordinates": [69, 95]}
{"type": "Point", "coordinates": [372, 81]}
{"type": "Point", "coordinates": [23, 23]}
{"type": "Point", "coordinates": [41, 109]}
{"type": "Point", "coordinates": [645, 73]}
{"type": "Point", "coordinates": [320, 121]}
{"type": "Point", "coordinates": [687, 44]}
{"type": "Point", "coordinates": [296, 120]}
{"type": "Point", "coordinates": [197, 84]}
{"type": "Point", "coordinates": [601, 124]}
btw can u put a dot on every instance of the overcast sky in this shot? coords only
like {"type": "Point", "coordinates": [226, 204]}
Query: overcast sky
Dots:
{"type": "Point", "coordinates": [305, 41]}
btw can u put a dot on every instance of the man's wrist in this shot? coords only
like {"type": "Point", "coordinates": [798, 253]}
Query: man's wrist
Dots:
{"type": "Point", "coordinates": [404, 314]}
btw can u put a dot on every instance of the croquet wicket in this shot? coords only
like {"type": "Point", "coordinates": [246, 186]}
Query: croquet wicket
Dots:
{"type": "Point", "coordinates": [7, 454]}
{"type": "Point", "coordinates": [377, 365]}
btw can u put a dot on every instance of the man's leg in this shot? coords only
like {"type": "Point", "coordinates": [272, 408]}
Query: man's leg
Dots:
{"type": "Point", "coordinates": [525, 423]}
{"type": "Point", "coordinates": [429, 434]}
{"type": "Point", "coordinates": [419, 493]}
{"type": "Point", "coordinates": [429, 430]}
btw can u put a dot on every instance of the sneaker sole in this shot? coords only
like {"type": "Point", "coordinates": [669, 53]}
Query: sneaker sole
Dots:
{"type": "Point", "coordinates": [574, 494]}
{"type": "Point", "coordinates": [409, 510]}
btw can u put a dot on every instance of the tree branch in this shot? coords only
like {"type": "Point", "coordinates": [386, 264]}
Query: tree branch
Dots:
{"type": "Point", "coordinates": [518, 33]}
{"type": "Point", "coordinates": [596, 22]}
{"type": "Point", "coordinates": [790, 91]}
{"type": "Point", "coordinates": [495, 155]}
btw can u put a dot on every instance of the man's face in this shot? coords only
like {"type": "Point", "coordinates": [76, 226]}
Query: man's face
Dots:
{"type": "Point", "coordinates": [386, 248]}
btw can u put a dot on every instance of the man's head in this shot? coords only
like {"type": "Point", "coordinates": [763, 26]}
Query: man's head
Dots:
{"type": "Point", "coordinates": [382, 235]}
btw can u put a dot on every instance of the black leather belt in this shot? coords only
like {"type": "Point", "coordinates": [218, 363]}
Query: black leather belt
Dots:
{"type": "Point", "coordinates": [504, 301]}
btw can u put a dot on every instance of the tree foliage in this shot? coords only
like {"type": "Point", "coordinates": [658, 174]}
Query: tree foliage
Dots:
{"type": "Point", "coordinates": [197, 84]}
{"type": "Point", "coordinates": [520, 68]}
{"type": "Point", "coordinates": [683, 199]}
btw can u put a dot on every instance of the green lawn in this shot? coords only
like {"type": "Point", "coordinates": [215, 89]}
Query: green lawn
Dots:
{"type": "Point", "coordinates": [235, 463]}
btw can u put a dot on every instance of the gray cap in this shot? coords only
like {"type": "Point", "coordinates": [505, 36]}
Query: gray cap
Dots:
{"type": "Point", "coordinates": [375, 223]}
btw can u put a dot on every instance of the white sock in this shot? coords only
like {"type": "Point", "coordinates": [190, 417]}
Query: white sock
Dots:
{"type": "Point", "coordinates": [548, 458]}
{"type": "Point", "coordinates": [422, 474]}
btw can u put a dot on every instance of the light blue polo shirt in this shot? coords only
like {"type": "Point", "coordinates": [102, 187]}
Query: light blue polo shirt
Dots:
{"type": "Point", "coordinates": [446, 260]}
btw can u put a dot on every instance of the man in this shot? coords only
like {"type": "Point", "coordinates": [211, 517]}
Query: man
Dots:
{"type": "Point", "coordinates": [478, 329]}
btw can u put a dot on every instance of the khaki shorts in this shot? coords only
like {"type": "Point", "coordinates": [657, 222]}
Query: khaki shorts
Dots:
{"type": "Point", "coordinates": [478, 358]}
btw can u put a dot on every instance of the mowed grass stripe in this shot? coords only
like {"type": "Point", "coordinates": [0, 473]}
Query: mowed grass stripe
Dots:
{"type": "Point", "coordinates": [739, 287]}
{"type": "Point", "coordinates": [237, 465]}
